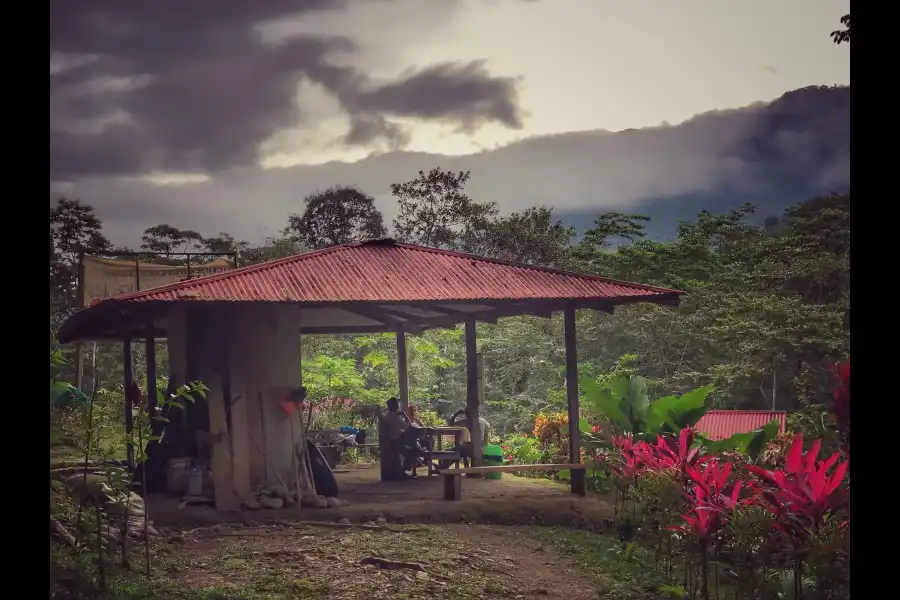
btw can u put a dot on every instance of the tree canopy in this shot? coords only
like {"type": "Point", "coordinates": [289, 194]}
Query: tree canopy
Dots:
{"type": "Point", "coordinates": [765, 317]}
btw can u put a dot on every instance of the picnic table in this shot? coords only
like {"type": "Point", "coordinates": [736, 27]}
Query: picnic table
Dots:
{"type": "Point", "coordinates": [435, 454]}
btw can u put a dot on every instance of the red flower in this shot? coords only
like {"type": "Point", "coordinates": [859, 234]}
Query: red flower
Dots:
{"type": "Point", "coordinates": [510, 457]}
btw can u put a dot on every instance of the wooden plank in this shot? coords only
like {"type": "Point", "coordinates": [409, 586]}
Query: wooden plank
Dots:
{"type": "Point", "coordinates": [472, 393]}
{"type": "Point", "coordinates": [402, 370]}
{"type": "Point", "coordinates": [453, 487]}
{"type": "Point", "coordinates": [240, 417]}
{"type": "Point", "coordinates": [514, 468]}
{"type": "Point", "coordinates": [221, 447]}
{"type": "Point", "coordinates": [578, 481]}
{"type": "Point", "coordinates": [218, 429]}
{"type": "Point", "coordinates": [572, 385]}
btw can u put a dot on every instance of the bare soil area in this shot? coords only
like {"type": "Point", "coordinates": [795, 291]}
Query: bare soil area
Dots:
{"type": "Point", "coordinates": [510, 500]}
{"type": "Point", "coordinates": [436, 562]}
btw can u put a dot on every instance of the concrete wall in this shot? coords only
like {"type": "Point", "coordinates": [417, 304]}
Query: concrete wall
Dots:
{"type": "Point", "coordinates": [266, 364]}
{"type": "Point", "coordinates": [261, 346]}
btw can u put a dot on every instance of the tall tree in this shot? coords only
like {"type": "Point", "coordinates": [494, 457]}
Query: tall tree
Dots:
{"type": "Point", "coordinates": [74, 228]}
{"type": "Point", "coordinates": [532, 236]}
{"type": "Point", "coordinates": [435, 210]}
{"type": "Point", "coordinates": [224, 243]}
{"type": "Point", "coordinates": [166, 239]}
{"type": "Point", "coordinates": [339, 215]}
{"type": "Point", "coordinates": [842, 35]}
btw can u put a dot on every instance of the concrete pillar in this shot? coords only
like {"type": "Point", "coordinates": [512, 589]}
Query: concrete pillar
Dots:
{"type": "Point", "coordinates": [267, 364]}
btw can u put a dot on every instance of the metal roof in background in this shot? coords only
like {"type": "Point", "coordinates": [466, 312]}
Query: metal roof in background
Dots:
{"type": "Point", "coordinates": [388, 271]}
{"type": "Point", "coordinates": [721, 424]}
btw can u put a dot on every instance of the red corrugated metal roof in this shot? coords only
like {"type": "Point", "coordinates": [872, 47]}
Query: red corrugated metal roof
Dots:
{"type": "Point", "coordinates": [388, 271]}
{"type": "Point", "coordinates": [721, 424]}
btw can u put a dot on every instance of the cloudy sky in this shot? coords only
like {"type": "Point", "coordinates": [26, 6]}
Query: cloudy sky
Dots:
{"type": "Point", "coordinates": [222, 115]}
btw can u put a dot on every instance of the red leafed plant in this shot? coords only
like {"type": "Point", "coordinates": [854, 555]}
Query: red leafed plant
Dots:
{"type": "Point", "coordinates": [633, 457]}
{"type": "Point", "coordinates": [802, 498]}
{"type": "Point", "coordinates": [801, 495]}
{"type": "Point", "coordinates": [669, 453]}
{"type": "Point", "coordinates": [710, 505]}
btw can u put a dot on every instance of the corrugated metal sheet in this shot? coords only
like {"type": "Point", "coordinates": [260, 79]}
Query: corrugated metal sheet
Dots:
{"type": "Point", "coordinates": [721, 424]}
{"type": "Point", "coordinates": [388, 271]}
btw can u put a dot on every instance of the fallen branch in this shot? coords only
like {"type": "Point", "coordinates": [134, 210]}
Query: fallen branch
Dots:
{"type": "Point", "coordinates": [63, 533]}
{"type": "Point", "coordinates": [383, 563]}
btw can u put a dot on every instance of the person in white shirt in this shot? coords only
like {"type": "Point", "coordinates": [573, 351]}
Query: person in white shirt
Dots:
{"type": "Point", "coordinates": [465, 437]}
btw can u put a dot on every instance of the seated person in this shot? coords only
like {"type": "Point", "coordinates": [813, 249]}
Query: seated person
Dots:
{"type": "Point", "coordinates": [403, 436]}
{"type": "Point", "coordinates": [424, 440]}
{"type": "Point", "coordinates": [465, 438]}
{"type": "Point", "coordinates": [414, 416]}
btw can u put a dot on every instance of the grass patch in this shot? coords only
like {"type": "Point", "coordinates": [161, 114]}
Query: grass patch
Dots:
{"type": "Point", "coordinates": [290, 563]}
{"type": "Point", "coordinates": [622, 572]}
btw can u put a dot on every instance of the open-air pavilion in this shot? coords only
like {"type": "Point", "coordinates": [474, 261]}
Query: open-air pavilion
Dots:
{"type": "Point", "coordinates": [239, 333]}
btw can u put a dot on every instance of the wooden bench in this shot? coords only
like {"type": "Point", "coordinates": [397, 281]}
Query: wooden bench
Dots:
{"type": "Point", "coordinates": [453, 477]}
{"type": "Point", "coordinates": [448, 457]}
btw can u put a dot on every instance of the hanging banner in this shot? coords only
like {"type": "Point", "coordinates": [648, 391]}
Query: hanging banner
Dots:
{"type": "Point", "coordinates": [107, 277]}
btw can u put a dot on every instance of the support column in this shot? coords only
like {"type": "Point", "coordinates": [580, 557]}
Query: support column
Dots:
{"type": "Point", "coordinates": [223, 482]}
{"type": "Point", "coordinates": [129, 409]}
{"type": "Point", "coordinates": [236, 397]}
{"type": "Point", "coordinates": [472, 393]}
{"type": "Point", "coordinates": [268, 366]}
{"type": "Point", "coordinates": [402, 370]}
{"type": "Point", "coordinates": [246, 373]}
{"type": "Point", "coordinates": [572, 386]}
{"type": "Point", "coordinates": [151, 370]}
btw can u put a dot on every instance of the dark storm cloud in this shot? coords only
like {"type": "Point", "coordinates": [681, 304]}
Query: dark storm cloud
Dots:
{"type": "Point", "coordinates": [143, 86]}
{"type": "Point", "coordinates": [449, 92]}
{"type": "Point", "coordinates": [768, 151]}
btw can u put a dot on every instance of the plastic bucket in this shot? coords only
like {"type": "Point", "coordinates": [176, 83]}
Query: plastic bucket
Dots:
{"type": "Point", "coordinates": [177, 474]}
{"type": "Point", "coordinates": [493, 457]}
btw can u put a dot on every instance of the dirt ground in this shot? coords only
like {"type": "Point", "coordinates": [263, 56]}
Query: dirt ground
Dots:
{"type": "Point", "coordinates": [510, 500]}
{"type": "Point", "coordinates": [316, 562]}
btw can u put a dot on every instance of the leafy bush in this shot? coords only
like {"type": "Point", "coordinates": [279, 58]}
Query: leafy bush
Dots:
{"type": "Point", "coordinates": [780, 528]}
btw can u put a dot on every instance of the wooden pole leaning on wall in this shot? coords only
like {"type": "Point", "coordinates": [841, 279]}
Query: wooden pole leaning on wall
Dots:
{"type": "Point", "coordinates": [577, 475]}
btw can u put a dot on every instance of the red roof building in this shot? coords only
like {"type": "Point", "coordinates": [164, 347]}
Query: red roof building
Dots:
{"type": "Point", "coordinates": [376, 285]}
{"type": "Point", "coordinates": [239, 332]}
{"type": "Point", "coordinates": [722, 424]}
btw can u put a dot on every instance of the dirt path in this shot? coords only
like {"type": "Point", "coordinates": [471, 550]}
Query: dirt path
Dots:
{"type": "Point", "coordinates": [538, 569]}
{"type": "Point", "coordinates": [457, 561]}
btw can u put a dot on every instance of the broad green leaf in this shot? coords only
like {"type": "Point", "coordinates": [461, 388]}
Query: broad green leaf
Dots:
{"type": "Point", "coordinates": [637, 396]}
{"type": "Point", "coordinates": [658, 412]}
{"type": "Point", "coordinates": [760, 438]}
{"type": "Point", "coordinates": [604, 402]}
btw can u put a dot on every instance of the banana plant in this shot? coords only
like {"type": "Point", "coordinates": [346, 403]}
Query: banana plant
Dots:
{"type": "Point", "coordinates": [624, 401]}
